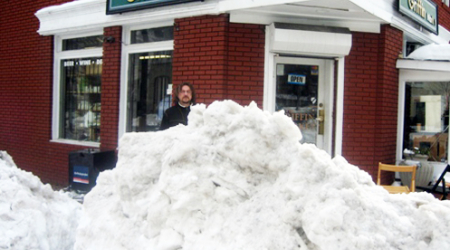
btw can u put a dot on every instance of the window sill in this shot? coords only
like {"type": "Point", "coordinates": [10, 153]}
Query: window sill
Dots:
{"type": "Point", "coordinates": [79, 143]}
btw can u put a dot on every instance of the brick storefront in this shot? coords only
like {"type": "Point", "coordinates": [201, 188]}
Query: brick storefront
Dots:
{"type": "Point", "coordinates": [222, 58]}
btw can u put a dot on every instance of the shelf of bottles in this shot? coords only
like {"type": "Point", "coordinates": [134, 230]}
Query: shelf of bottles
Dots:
{"type": "Point", "coordinates": [82, 104]}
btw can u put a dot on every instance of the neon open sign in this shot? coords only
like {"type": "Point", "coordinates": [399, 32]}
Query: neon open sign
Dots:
{"type": "Point", "coordinates": [296, 79]}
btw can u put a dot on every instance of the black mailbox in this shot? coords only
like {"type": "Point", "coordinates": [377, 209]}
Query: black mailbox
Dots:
{"type": "Point", "coordinates": [85, 166]}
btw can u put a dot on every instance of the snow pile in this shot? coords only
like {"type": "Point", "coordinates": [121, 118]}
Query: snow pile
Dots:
{"type": "Point", "coordinates": [237, 178]}
{"type": "Point", "coordinates": [32, 215]}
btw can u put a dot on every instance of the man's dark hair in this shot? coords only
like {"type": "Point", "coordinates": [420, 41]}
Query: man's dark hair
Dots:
{"type": "Point", "coordinates": [178, 90]}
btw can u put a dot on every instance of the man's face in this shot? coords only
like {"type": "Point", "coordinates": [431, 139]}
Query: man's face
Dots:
{"type": "Point", "coordinates": [185, 96]}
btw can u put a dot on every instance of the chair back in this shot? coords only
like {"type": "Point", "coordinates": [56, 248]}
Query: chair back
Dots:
{"type": "Point", "coordinates": [395, 168]}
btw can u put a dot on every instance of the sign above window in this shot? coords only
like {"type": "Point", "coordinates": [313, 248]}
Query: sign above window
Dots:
{"type": "Point", "coordinates": [119, 6]}
{"type": "Point", "coordinates": [424, 12]}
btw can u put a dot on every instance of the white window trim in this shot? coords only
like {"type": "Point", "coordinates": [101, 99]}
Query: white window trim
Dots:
{"type": "Point", "coordinates": [339, 123]}
{"type": "Point", "coordinates": [127, 49]}
{"type": "Point", "coordinates": [413, 75]}
{"type": "Point", "coordinates": [56, 106]}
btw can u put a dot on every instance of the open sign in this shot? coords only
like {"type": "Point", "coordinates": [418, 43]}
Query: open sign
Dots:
{"type": "Point", "coordinates": [296, 79]}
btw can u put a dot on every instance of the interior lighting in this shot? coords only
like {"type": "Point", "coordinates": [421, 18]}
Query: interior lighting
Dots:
{"type": "Point", "coordinates": [154, 57]}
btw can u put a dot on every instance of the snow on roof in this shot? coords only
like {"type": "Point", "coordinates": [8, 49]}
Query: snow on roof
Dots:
{"type": "Point", "coordinates": [432, 52]}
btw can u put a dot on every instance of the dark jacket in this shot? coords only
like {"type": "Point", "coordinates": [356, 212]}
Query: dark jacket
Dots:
{"type": "Point", "coordinates": [174, 115]}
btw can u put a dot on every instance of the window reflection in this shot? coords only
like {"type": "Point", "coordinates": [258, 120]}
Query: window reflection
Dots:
{"type": "Point", "coordinates": [296, 94]}
{"type": "Point", "coordinates": [427, 118]}
{"type": "Point", "coordinates": [150, 74]}
{"type": "Point", "coordinates": [81, 103]}
{"type": "Point", "coordinates": [152, 35]}
{"type": "Point", "coordinates": [82, 43]}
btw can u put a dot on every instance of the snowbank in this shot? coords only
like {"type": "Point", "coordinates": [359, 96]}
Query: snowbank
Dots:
{"type": "Point", "coordinates": [237, 178]}
{"type": "Point", "coordinates": [32, 215]}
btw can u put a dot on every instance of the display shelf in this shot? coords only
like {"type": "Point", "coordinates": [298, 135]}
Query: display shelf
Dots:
{"type": "Point", "coordinates": [84, 108]}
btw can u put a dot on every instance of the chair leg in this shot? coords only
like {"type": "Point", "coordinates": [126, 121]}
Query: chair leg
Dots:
{"type": "Point", "coordinates": [444, 190]}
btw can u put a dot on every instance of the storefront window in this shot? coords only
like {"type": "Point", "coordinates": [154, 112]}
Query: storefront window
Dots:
{"type": "Point", "coordinates": [82, 43]}
{"type": "Point", "coordinates": [149, 87]}
{"type": "Point", "coordinates": [77, 94]}
{"type": "Point", "coordinates": [152, 35]}
{"type": "Point", "coordinates": [81, 90]}
{"type": "Point", "coordinates": [149, 92]}
{"type": "Point", "coordinates": [427, 118]}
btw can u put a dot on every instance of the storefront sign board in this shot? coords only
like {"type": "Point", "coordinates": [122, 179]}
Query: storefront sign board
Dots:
{"type": "Point", "coordinates": [424, 12]}
{"type": "Point", "coordinates": [119, 6]}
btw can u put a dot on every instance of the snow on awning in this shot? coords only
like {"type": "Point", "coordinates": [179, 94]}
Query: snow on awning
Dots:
{"type": "Point", "coordinates": [432, 52]}
{"type": "Point", "coordinates": [432, 57]}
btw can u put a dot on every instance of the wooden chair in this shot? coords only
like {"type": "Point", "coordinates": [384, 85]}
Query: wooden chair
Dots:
{"type": "Point", "coordinates": [394, 168]}
{"type": "Point", "coordinates": [435, 188]}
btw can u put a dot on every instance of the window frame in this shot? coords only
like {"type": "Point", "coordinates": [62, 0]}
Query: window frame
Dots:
{"type": "Point", "coordinates": [59, 55]}
{"type": "Point", "coordinates": [414, 75]}
{"type": "Point", "coordinates": [431, 121]}
{"type": "Point", "coordinates": [127, 49]}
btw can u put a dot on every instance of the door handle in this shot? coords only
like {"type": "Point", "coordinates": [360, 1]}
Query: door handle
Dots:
{"type": "Point", "coordinates": [321, 119]}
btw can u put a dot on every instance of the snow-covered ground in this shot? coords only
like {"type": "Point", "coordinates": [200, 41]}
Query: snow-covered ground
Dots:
{"type": "Point", "coordinates": [234, 178]}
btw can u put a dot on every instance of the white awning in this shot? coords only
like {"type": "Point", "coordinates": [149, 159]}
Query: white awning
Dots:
{"type": "Point", "coordinates": [355, 15]}
{"type": "Point", "coordinates": [431, 58]}
{"type": "Point", "coordinates": [82, 15]}
{"type": "Point", "coordinates": [310, 40]}
{"type": "Point", "coordinates": [85, 15]}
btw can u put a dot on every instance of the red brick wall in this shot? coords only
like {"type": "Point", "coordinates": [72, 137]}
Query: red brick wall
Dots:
{"type": "Point", "coordinates": [443, 14]}
{"type": "Point", "coordinates": [222, 60]}
{"type": "Point", "coordinates": [26, 84]}
{"type": "Point", "coordinates": [110, 88]}
{"type": "Point", "coordinates": [199, 55]}
{"type": "Point", "coordinates": [26, 67]}
{"type": "Point", "coordinates": [360, 100]}
{"type": "Point", "coordinates": [245, 77]}
{"type": "Point", "coordinates": [370, 99]}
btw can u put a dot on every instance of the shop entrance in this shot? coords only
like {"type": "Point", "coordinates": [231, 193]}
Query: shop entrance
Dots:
{"type": "Point", "coordinates": [303, 89]}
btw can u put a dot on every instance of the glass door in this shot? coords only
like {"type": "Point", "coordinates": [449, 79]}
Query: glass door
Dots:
{"type": "Point", "coordinates": [149, 93]}
{"type": "Point", "coordinates": [301, 91]}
